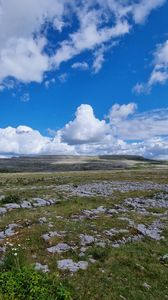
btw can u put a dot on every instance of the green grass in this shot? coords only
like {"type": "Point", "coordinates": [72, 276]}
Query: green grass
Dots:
{"type": "Point", "coordinates": [119, 273]}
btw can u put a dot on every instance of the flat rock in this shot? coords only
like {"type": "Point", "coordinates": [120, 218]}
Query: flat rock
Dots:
{"type": "Point", "coordinates": [42, 220]}
{"type": "Point", "coordinates": [40, 202]}
{"type": "Point", "coordinates": [40, 267]}
{"type": "Point", "coordinates": [114, 231]}
{"type": "Point", "coordinates": [153, 231]}
{"type": "Point", "coordinates": [12, 206]}
{"type": "Point", "coordinates": [3, 210]}
{"type": "Point", "coordinates": [69, 264]}
{"type": "Point", "coordinates": [2, 235]}
{"type": "Point", "coordinates": [86, 239]}
{"type": "Point", "coordinates": [106, 188]}
{"type": "Point", "coordinates": [10, 230]}
{"type": "Point", "coordinates": [49, 235]}
{"type": "Point", "coordinates": [61, 247]}
{"type": "Point", "coordinates": [26, 204]}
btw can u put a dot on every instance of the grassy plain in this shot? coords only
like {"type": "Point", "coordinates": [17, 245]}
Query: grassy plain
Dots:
{"type": "Point", "coordinates": [133, 271]}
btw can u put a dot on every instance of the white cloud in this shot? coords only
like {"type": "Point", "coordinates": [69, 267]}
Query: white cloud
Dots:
{"type": "Point", "coordinates": [47, 83]}
{"type": "Point", "coordinates": [121, 112]}
{"type": "Point", "coordinates": [124, 132]}
{"type": "Point", "coordinates": [160, 71]}
{"type": "Point", "coordinates": [25, 97]}
{"type": "Point", "coordinates": [142, 9]}
{"type": "Point", "coordinates": [139, 88]}
{"type": "Point", "coordinates": [21, 53]}
{"type": "Point", "coordinates": [23, 59]}
{"type": "Point", "coordinates": [23, 38]}
{"type": "Point", "coordinates": [21, 140]}
{"type": "Point", "coordinates": [81, 66]}
{"type": "Point", "coordinates": [129, 125]}
{"type": "Point", "coordinates": [159, 74]}
{"type": "Point", "coordinates": [98, 61]}
{"type": "Point", "coordinates": [25, 140]}
{"type": "Point", "coordinates": [63, 77]}
{"type": "Point", "coordinates": [85, 128]}
{"type": "Point", "coordinates": [87, 38]}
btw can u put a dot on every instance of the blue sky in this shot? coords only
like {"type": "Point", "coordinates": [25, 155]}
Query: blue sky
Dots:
{"type": "Point", "coordinates": [84, 77]}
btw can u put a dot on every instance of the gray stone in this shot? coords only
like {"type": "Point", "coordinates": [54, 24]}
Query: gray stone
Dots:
{"type": "Point", "coordinates": [106, 188]}
{"type": "Point", "coordinates": [146, 286]}
{"type": "Point", "coordinates": [61, 247]}
{"type": "Point", "coordinates": [12, 206]}
{"type": "Point", "coordinates": [3, 210]}
{"type": "Point", "coordinates": [26, 204]}
{"type": "Point", "coordinates": [164, 258]}
{"type": "Point", "coordinates": [93, 261]}
{"type": "Point", "coordinates": [114, 231]}
{"type": "Point", "coordinates": [86, 239]}
{"type": "Point", "coordinates": [101, 244]}
{"type": "Point", "coordinates": [112, 211]}
{"type": "Point", "coordinates": [40, 202]}
{"type": "Point", "coordinates": [42, 220]}
{"type": "Point", "coordinates": [2, 235]}
{"type": "Point", "coordinates": [2, 249]}
{"type": "Point", "coordinates": [123, 241]}
{"type": "Point", "coordinates": [153, 231]}
{"type": "Point", "coordinates": [69, 264]}
{"type": "Point", "coordinates": [10, 230]}
{"type": "Point", "coordinates": [49, 235]}
{"type": "Point", "coordinates": [40, 267]}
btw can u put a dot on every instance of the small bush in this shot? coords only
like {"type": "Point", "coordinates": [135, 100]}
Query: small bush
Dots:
{"type": "Point", "coordinates": [19, 282]}
{"type": "Point", "coordinates": [99, 253]}
{"type": "Point", "coordinates": [27, 284]}
{"type": "Point", "coordinates": [11, 198]}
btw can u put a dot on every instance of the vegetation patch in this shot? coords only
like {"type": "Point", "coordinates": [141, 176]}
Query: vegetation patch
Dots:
{"type": "Point", "coordinates": [11, 198]}
{"type": "Point", "coordinates": [26, 284]}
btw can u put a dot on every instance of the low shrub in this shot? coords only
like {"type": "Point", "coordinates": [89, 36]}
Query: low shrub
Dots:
{"type": "Point", "coordinates": [20, 282]}
{"type": "Point", "coordinates": [27, 284]}
{"type": "Point", "coordinates": [11, 198]}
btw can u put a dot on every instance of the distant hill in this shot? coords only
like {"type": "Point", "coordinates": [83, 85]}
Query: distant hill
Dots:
{"type": "Point", "coordinates": [57, 163]}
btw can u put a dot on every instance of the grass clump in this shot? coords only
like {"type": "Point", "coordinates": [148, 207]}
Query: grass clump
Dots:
{"type": "Point", "coordinates": [11, 198]}
{"type": "Point", "coordinates": [99, 253]}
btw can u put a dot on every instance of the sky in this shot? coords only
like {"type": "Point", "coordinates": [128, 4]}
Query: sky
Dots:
{"type": "Point", "coordinates": [84, 77]}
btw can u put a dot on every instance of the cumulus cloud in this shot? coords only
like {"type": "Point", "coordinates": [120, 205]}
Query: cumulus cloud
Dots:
{"type": "Point", "coordinates": [85, 128]}
{"type": "Point", "coordinates": [25, 140]}
{"type": "Point", "coordinates": [21, 140]}
{"type": "Point", "coordinates": [25, 45]}
{"type": "Point", "coordinates": [123, 132]}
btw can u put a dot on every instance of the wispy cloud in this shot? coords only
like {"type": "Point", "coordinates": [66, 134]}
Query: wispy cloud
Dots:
{"type": "Point", "coordinates": [159, 74]}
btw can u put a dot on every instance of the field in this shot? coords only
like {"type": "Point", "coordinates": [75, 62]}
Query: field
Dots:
{"type": "Point", "coordinates": [98, 234]}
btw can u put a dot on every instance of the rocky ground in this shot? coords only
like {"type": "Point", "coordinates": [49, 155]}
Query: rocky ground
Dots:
{"type": "Point", "coordinates": [110, 234]}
